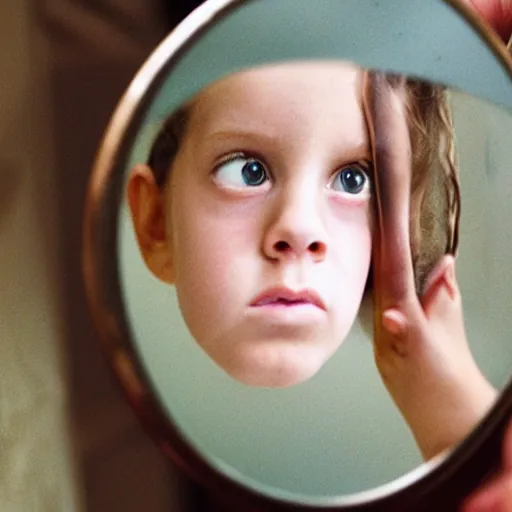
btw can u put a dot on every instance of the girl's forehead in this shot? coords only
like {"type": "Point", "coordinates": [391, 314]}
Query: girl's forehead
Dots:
{"type": "Point", "coordinates": [299, 88]}
{"type": "Point", "coordinates": [317, 76]}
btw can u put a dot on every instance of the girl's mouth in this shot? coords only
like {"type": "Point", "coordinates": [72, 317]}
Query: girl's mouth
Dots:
{"type": "Point", "coordinates": [285, 297]}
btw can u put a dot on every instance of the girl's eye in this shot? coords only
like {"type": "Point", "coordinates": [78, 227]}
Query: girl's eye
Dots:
{"type": "Point", "coordinates": [241, 171]}
{"type": "Point", "coordinates": [352, 179]}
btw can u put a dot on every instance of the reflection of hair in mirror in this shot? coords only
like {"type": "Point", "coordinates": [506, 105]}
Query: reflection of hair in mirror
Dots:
{"type": "Point", "coordinates": [167, 144]}
{"type": "Point", "coordinates": [256, 202]}
{"type": "Point", "coordinates": [435, 190]}
{"type": "Point", "coordinates": [435, 199]}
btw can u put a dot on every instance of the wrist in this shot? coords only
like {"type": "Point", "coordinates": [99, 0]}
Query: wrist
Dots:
{"type": "Point", "coordinates": [455, 410]}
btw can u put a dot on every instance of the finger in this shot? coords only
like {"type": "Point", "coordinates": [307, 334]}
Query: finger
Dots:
{"type": "Point", "coordinates": [494, 497]}
{"type": "Point", "coordinates": [385, 112]}
{"type": "Point", "coordinates": [497, 13]}
{"type": "Point", "coordinates": [442, 276]}
{"type": "Point", "coordinates": [442, 306]}
{"type": "Point", "coordinates": [507, 449]}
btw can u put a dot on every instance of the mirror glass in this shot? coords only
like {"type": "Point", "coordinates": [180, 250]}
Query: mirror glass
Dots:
{"type": "Point", "coordinates": [337, 431]}
{"type": "Point", "coordinates": [331, 428]}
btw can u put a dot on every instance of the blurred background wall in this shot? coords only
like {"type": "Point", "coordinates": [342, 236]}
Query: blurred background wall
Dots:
{"type": "Point", "coordinates": [38, 469]}
{"type": "Point", "coordinates": [68, 439]}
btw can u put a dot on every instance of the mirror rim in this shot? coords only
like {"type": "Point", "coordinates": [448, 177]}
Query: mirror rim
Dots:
{"type": "Point", "coordinates": [443, 481]}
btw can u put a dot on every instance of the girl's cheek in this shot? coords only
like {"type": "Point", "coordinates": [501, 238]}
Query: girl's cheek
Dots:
{"type": "Point", "coordinates": [358, 222]}
{"type": "Point", "coordinates": [352, 245]}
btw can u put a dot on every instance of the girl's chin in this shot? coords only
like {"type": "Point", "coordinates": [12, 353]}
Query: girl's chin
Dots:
{"type": "Point", "coordinates": [269, 374]}
{"type": "Point", "coordinates": [271, 381]}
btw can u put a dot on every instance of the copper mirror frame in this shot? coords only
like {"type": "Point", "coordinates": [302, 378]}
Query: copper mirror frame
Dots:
{"type": "Point", "coordinates": [442, 483]}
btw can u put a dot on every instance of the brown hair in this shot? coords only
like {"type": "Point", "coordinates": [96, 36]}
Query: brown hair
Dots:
{"type": "Point", "coordinates": [435, 199]}
{"type": "Point", "coordinates": [435, 196]}
{"type": "Point", "coordinates": [167, 144]}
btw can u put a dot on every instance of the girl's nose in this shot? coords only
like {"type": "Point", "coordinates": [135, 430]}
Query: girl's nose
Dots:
{"type": "Point", "coordinates": [296, 232]}
{"type": "Point", "coordinates": [289, 247]}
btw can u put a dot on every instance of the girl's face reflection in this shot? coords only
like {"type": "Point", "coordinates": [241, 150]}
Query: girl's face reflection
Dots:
{"type": "Point", "coordinates": [268, 219]}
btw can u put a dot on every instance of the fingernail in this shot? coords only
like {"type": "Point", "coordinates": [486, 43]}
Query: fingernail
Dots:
{"type": "Point", "coordinates": [393, 321]}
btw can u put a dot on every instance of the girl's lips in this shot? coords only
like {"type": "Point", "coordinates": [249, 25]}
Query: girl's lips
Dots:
{"type": "Point", "coordinates": [288, 297]}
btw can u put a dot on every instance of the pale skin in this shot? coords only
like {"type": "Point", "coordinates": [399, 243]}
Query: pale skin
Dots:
{"type": "Point", "coordinates": [270, 274]}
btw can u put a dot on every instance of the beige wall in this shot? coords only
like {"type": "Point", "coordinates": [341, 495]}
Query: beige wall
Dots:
{"type": "Point", "coordinates": [37, 468]}
{"type": "Point", "coordinates": [68, 440]}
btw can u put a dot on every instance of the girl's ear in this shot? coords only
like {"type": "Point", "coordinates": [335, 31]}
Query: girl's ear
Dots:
{"type": "Point", "coordinates": [146, 202]}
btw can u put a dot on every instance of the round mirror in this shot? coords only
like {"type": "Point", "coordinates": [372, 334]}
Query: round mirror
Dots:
{"type": "Point", "coordinates": [229, 236]}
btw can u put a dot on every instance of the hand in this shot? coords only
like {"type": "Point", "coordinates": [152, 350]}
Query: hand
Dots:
{"type": "Point", "coordinates": [420, 343]}
{"type": "Point", "coordinates": [497, 495]}
{"type": "Point", "coordinates": [498, 13]}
